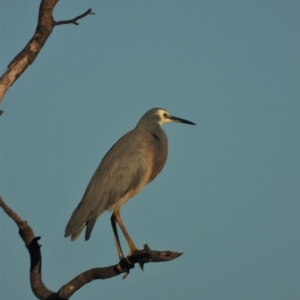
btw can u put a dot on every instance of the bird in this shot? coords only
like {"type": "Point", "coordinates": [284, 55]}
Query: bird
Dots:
{"type": "Point", "coordinates": [130, 164]}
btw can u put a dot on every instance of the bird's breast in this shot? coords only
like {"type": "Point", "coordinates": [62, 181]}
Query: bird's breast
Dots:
{"type": "Point", "coordinates": [160, 153]}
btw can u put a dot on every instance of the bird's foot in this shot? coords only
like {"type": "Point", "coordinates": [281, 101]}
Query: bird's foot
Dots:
{"type": "Point", "coordinates": [133, 257]}
{"type": "Point", "coordinates": [124, 266]}
{"type": "Point", "coordinates": [138, 255]}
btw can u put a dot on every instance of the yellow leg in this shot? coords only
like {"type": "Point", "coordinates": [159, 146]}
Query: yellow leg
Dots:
{"type": "Point", "coordinates": [113, 224]}
{"type": "Point", "coordinates": [117, 217]}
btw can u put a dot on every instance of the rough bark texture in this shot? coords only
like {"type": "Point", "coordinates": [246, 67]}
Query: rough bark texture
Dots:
{"type": "Point", "coordinates": [66, 291]}
{"type": "Point", "coordinates": [27, 56]}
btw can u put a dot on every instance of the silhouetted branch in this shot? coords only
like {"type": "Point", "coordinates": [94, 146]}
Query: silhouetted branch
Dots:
{"type": "Point", "coordinates": [27, 56]}
{"type": "Point", "coordinates": [66, 291]}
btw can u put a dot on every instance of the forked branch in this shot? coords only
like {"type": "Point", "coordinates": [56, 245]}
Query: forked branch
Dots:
{"type": "Point", "coordinates": [27, 56]}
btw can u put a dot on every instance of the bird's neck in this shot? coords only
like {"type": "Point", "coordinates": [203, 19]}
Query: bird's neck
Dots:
{"type": "Point", "coordinates": [153, 128]}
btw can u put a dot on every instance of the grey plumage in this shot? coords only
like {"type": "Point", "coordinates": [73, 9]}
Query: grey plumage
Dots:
{"type": "Point", "coordinates": [131, 163]}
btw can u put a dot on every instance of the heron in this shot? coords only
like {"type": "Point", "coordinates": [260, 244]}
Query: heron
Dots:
{"type": "Point", "coordinates": [130, 164]}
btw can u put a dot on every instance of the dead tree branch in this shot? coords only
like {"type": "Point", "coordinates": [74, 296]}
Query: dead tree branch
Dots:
{"type": "Point", "coordinates": [66, 291]}
{"type": "Point", "coordinates": [27, 56]}
{"type": "Point", "coordinates": [74, 21]}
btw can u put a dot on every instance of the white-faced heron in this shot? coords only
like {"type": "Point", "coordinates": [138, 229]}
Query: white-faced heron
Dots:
{"type": "Point", "coordinates": [131, 163]}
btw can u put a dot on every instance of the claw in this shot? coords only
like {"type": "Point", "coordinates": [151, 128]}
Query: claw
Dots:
{"type": "Point", "coordinates": [126, 274]}
{"type": "Point", "coordinates": [124, 266]}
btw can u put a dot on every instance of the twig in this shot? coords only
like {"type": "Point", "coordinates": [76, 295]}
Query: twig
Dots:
{"type": "Point", "coordinates": [10, 212]}
{"type": "Point", "coordinates": [73, 21]}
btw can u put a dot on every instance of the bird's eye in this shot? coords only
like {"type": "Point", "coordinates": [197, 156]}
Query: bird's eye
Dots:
{"type": "Point", "coordinates": [165, 115]}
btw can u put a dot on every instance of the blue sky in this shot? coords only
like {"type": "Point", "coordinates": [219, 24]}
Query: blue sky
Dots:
{"type": "Point", "coordinates": [228, 196]}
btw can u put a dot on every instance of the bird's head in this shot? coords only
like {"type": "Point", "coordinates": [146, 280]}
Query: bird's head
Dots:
{"type": "Point", "coordinates": [158, 116]}
{"type": "Point", "coordinates": [165, 117]}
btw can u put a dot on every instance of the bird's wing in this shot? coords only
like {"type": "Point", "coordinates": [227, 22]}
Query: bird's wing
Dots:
{"type": "Point", "coordinates": [123, 169]}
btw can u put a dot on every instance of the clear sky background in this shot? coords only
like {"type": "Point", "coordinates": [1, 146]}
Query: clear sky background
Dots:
{"type": "Point", "coordinates": [228, 196]}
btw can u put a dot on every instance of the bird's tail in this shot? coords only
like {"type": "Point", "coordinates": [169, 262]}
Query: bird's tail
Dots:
{"type": "Point", "coordinates": [74, 234]}
{"type": "Point", "coordinates": [89, 227]}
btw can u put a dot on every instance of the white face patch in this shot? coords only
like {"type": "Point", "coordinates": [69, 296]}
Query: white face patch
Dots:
{"type": "Point", "coordinates": [163, 116]}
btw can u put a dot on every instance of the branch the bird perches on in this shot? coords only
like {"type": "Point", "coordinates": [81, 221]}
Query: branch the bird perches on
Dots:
{"type": "Point", "coordinates": [66, 291]}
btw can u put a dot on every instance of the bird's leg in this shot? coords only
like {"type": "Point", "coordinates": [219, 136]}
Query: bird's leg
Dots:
{"type": "Point", "coordinates": [117, 216]}
{"type": "Point", "coordinates": [124, 263]}
{"type": "Point", "coordinates": [119, 249]}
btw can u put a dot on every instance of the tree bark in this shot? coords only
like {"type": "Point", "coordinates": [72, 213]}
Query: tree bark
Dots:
{"type": "Point", "coordinates": [67, 290]}
{"type": "Point", "coordinates": [27, 56]}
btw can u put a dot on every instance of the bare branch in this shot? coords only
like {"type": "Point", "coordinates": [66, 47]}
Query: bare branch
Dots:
{"type": "Point", "coordinates": [10, 212]}
{"type": "Point", "coordinates": [66, 291]}
{"type": "Point", "coordinates": [27, 56]}
{"type": "Point", "coordinates": [27, 235]}
{"type": "Point", "coordinates": [73, 21]}
{"type": "Point", "coordinates": [141, 257]}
